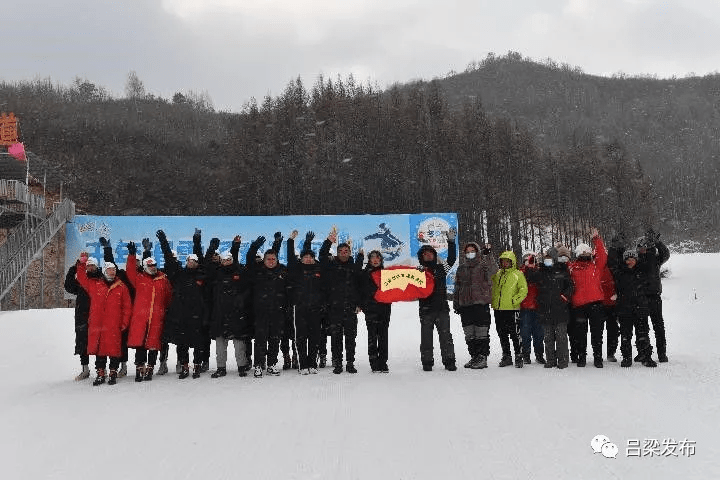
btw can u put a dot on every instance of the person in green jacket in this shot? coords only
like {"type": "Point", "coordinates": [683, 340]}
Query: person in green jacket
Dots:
{"type": "Point", "coordinates": [509, 289]}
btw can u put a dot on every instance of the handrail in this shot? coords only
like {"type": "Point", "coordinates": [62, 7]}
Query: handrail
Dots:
{"type": "Point", "coordinates": [28, 241]}
{"type": "Point", "coordinates": [18, 191]}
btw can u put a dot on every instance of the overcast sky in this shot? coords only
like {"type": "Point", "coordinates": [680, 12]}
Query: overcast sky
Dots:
{"type": "Point", "coordinates": [238, 49]}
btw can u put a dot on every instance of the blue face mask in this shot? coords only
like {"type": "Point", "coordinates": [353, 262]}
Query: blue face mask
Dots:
{"type": "Point", "coordinates": [470, 255]}
{"type": "Point", "coordinates": [548, 262]}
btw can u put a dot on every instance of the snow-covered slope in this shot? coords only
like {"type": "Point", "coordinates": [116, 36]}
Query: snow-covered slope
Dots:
{"type": "Point", "coordinates": [529, 423]}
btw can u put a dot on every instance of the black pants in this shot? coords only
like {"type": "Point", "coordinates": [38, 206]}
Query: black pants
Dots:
{"type": "Point", "coordinates": [183, 355]}
{"type": "Point", "coordinates": [307, 331]}
{"type": "Point", "coordinates": [343, 326]}
{"type": "Point", "coordinates": [639, 322]}
{"type": "Point", "coordinates": [436, 319]}
{"type": "Point", "coordinates": [377, 323]}
{"type": "Point", "coordinates": [164, 351]}
{"type": "Point", "coordinates": [658, 323]}
{"type": "Point", "coordinates": [507, 325]}
{"type": "Point", "coordinates": [124, 347]}
{"type": "Point", "coordinates": [142, 356]}
{"type": "Point", "coordinates": [324, 333]}
{"type": "Point", "coordinates": [476, 326]}
{"type": "Point", "coordinates": [268, 332]}
{"type": "Point", "coordinates": [101, 362]}
{"type": "Point", "coordinates": [613, 330]}
{"type": "Point", "coordinates": [595, 315]}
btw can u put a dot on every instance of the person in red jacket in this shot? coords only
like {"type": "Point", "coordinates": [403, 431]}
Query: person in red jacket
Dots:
{"type": "Point", "coordinates": [152, 297]}
{"type": "Point", "coordinates": [110, 310]}
{"type": "Point", "coordinates": [531, 330]}
{"type": "Point", "coordinates": [587, 301]}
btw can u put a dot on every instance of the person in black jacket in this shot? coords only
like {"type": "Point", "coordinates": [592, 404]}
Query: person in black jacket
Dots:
{"type": "Point", "coordinates": [554, 292]}
{"type": "Point", "coordinates": [230, 316]}
{"type": "Point", "coordinates": [270, 302]}
{"type": "Point", "coordinates": [377, 314]}
{"type": "Point", "coordinates": [654, 253]}
{"type": "Point", "coordinates": [186, 315]}
{"type": "Point", "coordinates": [82, 311]}
{"type": "Point", "coordinates": [309, 301]}
{"type": "Point", "coordinates": [341, 276]}
{"type": "Point", "coordinates": [632, 285]}
{"type": "Point", "coordinates": [434, 310]}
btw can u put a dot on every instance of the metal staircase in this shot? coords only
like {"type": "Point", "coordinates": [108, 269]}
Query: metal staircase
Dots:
{"type": "Point", "coordinates": [32, 229]}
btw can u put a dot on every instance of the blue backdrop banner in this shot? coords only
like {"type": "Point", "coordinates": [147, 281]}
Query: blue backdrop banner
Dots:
{"type": "Point", "coordinates": [398, 236]}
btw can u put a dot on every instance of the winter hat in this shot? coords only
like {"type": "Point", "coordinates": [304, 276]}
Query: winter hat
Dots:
{"type": "Point", "coordinates": [149, 262]}
{"type": "Point", "coordinates": [226, 255]}
{"type": "Point", "coordinates": [192, 256]}
{"type": "Point", "coordinates": [630, 252]}
{"type": "Point", "coordinates": [107, 265]}
{"type": "Point", "coordinates": [583, 248]}
{"type": "Point", "coordinates": [563, 251]}
{"type": "Point", "coordinates": [307, 252]}
{"type": "Point", "coordinates": [91, 261]}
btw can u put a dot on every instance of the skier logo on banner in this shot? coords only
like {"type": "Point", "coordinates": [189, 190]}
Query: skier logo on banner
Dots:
{"type": "Point", "coordinates": [432, 232]}
{"type": "Point", "coordinates": [390, 246]}
{"type": "Point", "coordinates": [402, 284]}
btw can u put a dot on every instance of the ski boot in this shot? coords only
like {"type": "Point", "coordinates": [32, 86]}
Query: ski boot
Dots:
{"type": "Point", "coordinates": [139, 373]}
{"type": "Point", "coordinates": [505, 361]}
{"type": "Point", "coordinates": [100, 379]}
{"type": "Point", "coordinates": [184, 371]}
{"type": "Point", "coordinates": [220, 372]}
{"type": "Point", "coordinates": [350, 367]}
{"type": "Point", "coordinates": [197, 369]}
{"type": "Point", "coordinates": [540, 359]}
{"type": "Point", "coordinates": [84, 373]}
{"type": "Point", "coordinates": [148, 373]}
{"type": "Point", "coordinates": [519, 361]}
{"type": "Point", "coordinates": [113, 377]}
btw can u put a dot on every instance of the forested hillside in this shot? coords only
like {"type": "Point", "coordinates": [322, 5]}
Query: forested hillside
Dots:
{"type": "Point", "coordinates": [467, 143]}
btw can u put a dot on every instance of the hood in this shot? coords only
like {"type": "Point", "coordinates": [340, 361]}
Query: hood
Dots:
{"type": "Point", "coordinates": [420, 252]}
{"type": "Point", "coordinates": [511, 256]}
{"type": "Point", "coordinates": [552, 251]}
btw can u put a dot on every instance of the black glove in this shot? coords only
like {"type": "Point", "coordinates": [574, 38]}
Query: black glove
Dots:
{"type": "Point", "coordinates": [651, 237]}
{"type": "Point", "coordinates": [160, 235]}
{"type": "Point", "coordinates": [214, 244]}
{"type": "Point", "coordinates": [147, 245]}
{"type": "Point", "coordinates": [196, 236]}
{"type": "Point", "coordinates": [132, 249]}
{"type": "Point", "coordinates": [258, 242]}
{"type": "Point", "coordinates": [309, 236]}
{"type": "Point", "coordinates": [104, 242]}
{"type": "Point", "coordinates": [486, 251]}
{"type": "Point", "coordinates": [278, 237]}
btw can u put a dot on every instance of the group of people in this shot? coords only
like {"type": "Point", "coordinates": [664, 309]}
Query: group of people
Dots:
{"type": "Point", "coordinates": [549, 303]}
{"type": "Point", "coordinates": [263, 307]}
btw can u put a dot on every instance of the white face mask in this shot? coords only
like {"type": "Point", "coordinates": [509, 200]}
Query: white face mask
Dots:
{"type": "Point", "coordinates": [563, 259]}
{"type": "Point", "coordinates": [548, 262]}
{"type": "Point", "coordinates": [470, 255]}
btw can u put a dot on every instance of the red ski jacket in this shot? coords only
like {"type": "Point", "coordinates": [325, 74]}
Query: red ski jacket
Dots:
{"type": "Point", "coordinates": [110, 310]}
{"type": "Point", "coordinates": [152, 297]}
{"type": "Point", "coordinates": [586, 276]}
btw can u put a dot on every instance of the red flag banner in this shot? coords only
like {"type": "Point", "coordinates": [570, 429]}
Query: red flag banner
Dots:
{"type": "Point", "coordinates": [402, 284]}
{"type": "Point", "coordinates": [17, 150]}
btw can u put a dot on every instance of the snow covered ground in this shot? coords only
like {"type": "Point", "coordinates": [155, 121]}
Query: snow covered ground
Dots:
{"type": "Point", "coordinates": [529, 423]}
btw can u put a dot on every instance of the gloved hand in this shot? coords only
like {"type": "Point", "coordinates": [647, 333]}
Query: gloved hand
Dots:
{"type": "Point", "coordinates": [196, 235]}
{"type": "Point", "coordinates": [451, 234]}
{"type": "Point", "coordinates": [104, 242]}
{"type": "Point", "coordinates": [309, 236]}
{"type": "Point", "coordinates": [487, 249]}
{"type": "Point", "coordinates": [258, 242]}
{"type": "Point", "coordinates": [651, 237]}
{"type": "Point", "coordinates": [147, 245]}
{"type": "Point", "coordinates": [278, 237]}
{"type": "Point", "coordinates": [237, 239]}
{"type": "Point", "coordinates": [132, 249]}
{"type": "Point", "coordinates": [214, 244]}
{"type": "Point", "coordinates": [160, 235]}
